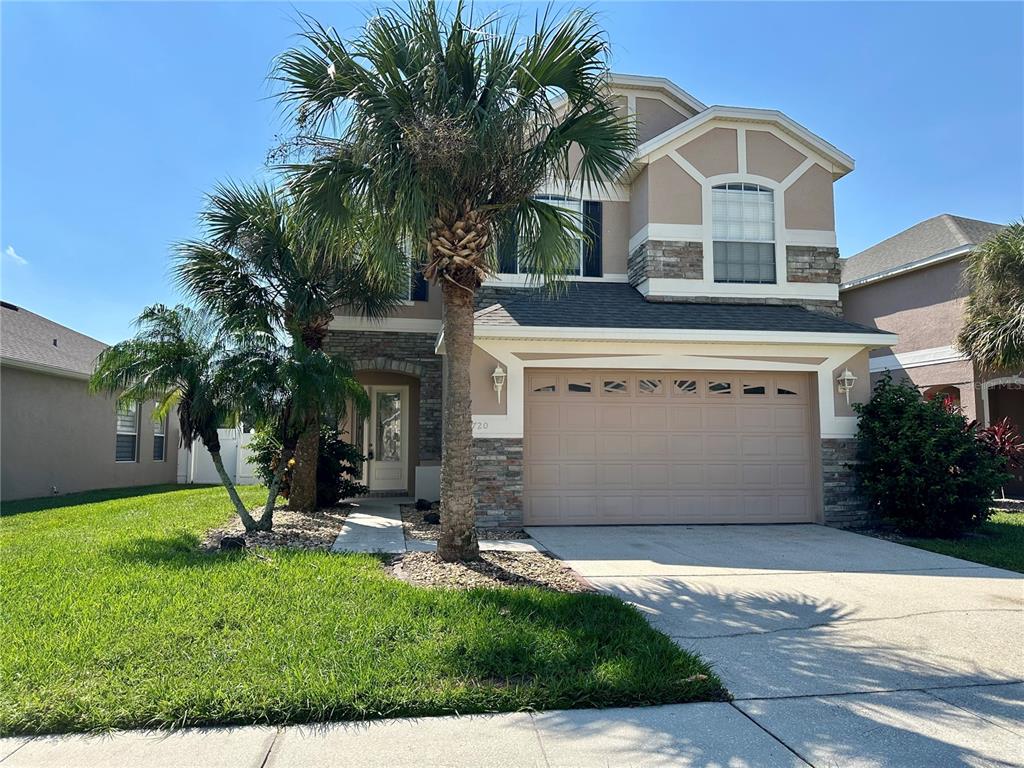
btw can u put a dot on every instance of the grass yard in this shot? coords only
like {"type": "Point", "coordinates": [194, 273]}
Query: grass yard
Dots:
{"type": "Point", "coordinates": [113, 618]}
{"type": "Point", "coordinates": [999, 542]}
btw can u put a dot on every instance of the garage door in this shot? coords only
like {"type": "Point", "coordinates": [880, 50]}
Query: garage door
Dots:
{"type": "Point", "coordinates": [616, 447]}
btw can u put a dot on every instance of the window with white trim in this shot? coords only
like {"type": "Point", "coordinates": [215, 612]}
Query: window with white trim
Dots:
{"type": "Point", "coordinates": [743, 231]}
{"type": "Point", "coordinates": [160, 439]}
{"type": "Point", "coordinates": [127, 432]}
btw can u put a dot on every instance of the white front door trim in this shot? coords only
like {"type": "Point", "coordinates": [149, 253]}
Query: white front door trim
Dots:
{"type": "Point", "coordinates": [382, 475]}
{"type": "Point", "coordinates": [986, 419]}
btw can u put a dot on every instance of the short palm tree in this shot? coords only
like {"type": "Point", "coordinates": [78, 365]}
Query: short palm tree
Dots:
{"type": "Point", "coordinates": [275, 385]}
{"type": "Point", "coordinates": [263, 268]}
{"type": "Point", "coordinates": [993, 331]}
{"type": "Point", "coordinates": [448, 127]}
{"type": "Point", "coordinates": [175, 359]}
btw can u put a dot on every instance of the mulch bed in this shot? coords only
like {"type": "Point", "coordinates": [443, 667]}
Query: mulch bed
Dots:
{"type": "Point", "coordinates": [493, 569]}
{"type": "Point", "coordinates": [315, 531]}
{"type": "Point", "coordinates": [415, 528]}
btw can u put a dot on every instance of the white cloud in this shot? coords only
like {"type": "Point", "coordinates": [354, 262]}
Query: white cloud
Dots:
{"type": "Point", "coordinates": [13, 254]}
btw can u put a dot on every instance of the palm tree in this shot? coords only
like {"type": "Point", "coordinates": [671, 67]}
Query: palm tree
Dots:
{"type": "Point", "coordinates": [174, 359]}
{"type": "Point", "coordinates": [993, 331]}
{"type": "Point", "coordinates": [263, 268]}
{"type": "Point", "coordinates": [276, 385]}
{"type": "Point", "coordinates": [448, 127]}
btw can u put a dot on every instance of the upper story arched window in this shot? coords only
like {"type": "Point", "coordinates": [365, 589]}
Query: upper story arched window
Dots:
{"type": "Point", "coordinates": [743, 231]}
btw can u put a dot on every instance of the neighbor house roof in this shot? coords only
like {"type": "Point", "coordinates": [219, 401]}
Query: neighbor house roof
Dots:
{"type": "Point", "coordinates": [933, 240]}
{"type": "Point", "coordinates": [619, 306]}
{"type": "Point", "coordinates": [31, 341]}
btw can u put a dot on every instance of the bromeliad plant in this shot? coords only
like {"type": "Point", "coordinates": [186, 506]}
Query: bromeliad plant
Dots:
{"type": "Point", "coordinates": [1004, 439]}
{"type": "Point", "coordinates": [448, 126]}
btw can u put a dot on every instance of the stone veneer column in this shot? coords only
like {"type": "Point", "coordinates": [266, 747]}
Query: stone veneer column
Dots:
{"type": "Point", "coordinates": [666, 258]}
{"type": "Point", "coordinates": [402, 352]}
{"type": "Point", "coordinates": [843, 503]}
{"type": "Point", "coordinates": [498, 463]}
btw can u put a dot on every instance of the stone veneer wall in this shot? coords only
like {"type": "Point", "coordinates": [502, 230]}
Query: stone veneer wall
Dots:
{"type": "Point", "coordinates": [665, 258]}
{"type": "Point", "coordinates": [811, 264]}
{"type": "Point", "coordinates": [498, 463]}
{"type": "Point", "coordinates": [404, 353]}
{"type": "Point", "coordinates": [843, 503]}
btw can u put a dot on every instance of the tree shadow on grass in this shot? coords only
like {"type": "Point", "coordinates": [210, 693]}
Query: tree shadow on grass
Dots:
{"type": "Point", "coordinates": [21, 506]}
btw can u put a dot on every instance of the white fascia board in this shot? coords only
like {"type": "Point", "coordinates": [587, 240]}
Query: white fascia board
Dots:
{"type": "Point", "coordinates": [52, 370]}
{"type": "Point", "coordinates": [531, 281]}
{"type": "Point", "coordinates": [658, 83]}
{"type": "Point", "coordinates": [686, 288]}
{"type": "Point", "coordinates": [916, 359]}
{"type": "Point", "coordinates": [872, 340]}
{"type": "Point", "coordinates": [913, 266]}
{"type": "Point", "coordinates": [843, 161]}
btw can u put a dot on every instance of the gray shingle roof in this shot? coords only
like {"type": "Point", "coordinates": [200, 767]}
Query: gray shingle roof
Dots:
{"type": "Point", "coordinates": [619, 305]}
{"type": "Point", "coordinates": [29, 338]}
{"type": "Point", "coordinates": [922, 241]}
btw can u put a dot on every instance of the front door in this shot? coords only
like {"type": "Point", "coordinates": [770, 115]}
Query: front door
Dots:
{"type": "Point", "coordinates": [386, 439]}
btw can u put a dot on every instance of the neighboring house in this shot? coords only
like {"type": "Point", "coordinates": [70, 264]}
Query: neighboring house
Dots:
{"type": "Point", "coordinates": [56, 437]}
{"type": "Point", "coordinates": [911, 285]}
{"type": "Point", "coordinates": [688, 375]}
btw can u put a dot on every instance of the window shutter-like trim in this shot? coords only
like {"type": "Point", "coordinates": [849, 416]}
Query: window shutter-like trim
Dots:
{"type": "Point", "coordinates": [508, 245]}
{"type": "Point", "coordinates": [592, 222]}
{"type": "Point", "coordinates": [420, 288]}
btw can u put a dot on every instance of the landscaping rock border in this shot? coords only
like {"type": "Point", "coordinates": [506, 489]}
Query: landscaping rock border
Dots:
{"type": "Point", "coordinates": [493, 569]}
{"type": "Point", "coordinates": [415, 528]}
{"type": "Point", "coordinates": [311, 531]}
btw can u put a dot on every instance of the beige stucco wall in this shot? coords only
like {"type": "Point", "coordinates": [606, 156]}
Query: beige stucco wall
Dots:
{"type": "Point", "coordinates": [639, 207]}
{"type": "Point", "coordinates": [809, 203]}
{"type": "Point", "coordinates": [959, 374]}
{"type": "Point", "coordinates": [713, 152]}
{"type": "Point", "coordinates": [667, 194]}
{"type": "Point", "coordinates": [654, 117]}
{"type": "Point", "coordinates": [482, 395]}
{"type": "Point", "coordinates": [767, 155]}
{"type": "Point", "coordinates": [614, 237]}
{"type": "Point", "coordinates": [54, 433]}
{"type": "Point", "coordinates": [924, 307]}
{"type": "Point", "coordinates": [429, 309]}
{"type": "Point", "coordinates": [860, 367]}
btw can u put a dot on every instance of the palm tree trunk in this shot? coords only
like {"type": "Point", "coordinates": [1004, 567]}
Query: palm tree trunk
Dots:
{"type": "Point", "coordinates": [458, 503]}
{"type": "Point", "coordinates": [247, 521]}
{"type": "Point", "coordinates": [266, 521]}
{"type": "Point", "coordinates": [303, 493]}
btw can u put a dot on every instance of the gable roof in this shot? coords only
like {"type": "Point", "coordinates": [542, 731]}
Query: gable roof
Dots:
{"type": "Point", "coordinates": [663, 84]}
{"type": "Point", "coordinates": [31, 341]}
{"type": "Point", "coordinates": [841, 162]}
{"type": "Point", "coordinates": [597, 305]}
{"type": "Point", "coordinates": [932, 241]}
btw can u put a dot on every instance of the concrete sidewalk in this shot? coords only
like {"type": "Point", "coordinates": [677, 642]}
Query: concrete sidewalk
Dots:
{"type": "Point", "coordinates": [679, 735]}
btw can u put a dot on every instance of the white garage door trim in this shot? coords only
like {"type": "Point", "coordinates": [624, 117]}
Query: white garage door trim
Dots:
{"type": "Point", "coordinates": [637, 447]}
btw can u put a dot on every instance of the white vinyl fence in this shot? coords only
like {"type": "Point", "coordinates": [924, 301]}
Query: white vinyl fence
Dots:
{"type": "Point", "coordinates": [196, 465]}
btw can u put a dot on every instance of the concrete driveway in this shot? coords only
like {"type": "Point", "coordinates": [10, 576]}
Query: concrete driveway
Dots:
{"type": "Point", "coordinates": [847, 649]}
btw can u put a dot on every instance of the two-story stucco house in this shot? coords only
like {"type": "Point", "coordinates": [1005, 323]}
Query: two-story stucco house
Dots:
{"type": "Point", "coordinates": [911, 284]}
{"type": "Point", "coordinates": [690, 373]}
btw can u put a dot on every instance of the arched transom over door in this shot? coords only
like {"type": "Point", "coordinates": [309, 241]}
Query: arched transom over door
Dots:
{"type": "Point", "coordinates": [628, 447]}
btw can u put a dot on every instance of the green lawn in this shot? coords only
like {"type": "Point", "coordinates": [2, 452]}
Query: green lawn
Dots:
{"type": "Point", "coordinates": [999, 542]}
{"type": "Point", "coordinates": [111, 617]}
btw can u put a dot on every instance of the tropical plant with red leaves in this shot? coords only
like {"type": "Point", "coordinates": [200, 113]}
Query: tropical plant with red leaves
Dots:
{"type": "Point", "coordinates": [1004, 439]}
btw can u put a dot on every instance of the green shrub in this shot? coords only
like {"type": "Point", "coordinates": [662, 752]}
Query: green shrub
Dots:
{"type": "Point", "coordinates": [921, 463]}
{"type": "Point", "coordinates": [338, 468]}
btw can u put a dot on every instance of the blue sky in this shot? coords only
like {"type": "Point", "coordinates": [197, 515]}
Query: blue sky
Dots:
{"type": "Point", "coordinates": [116, 118]}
